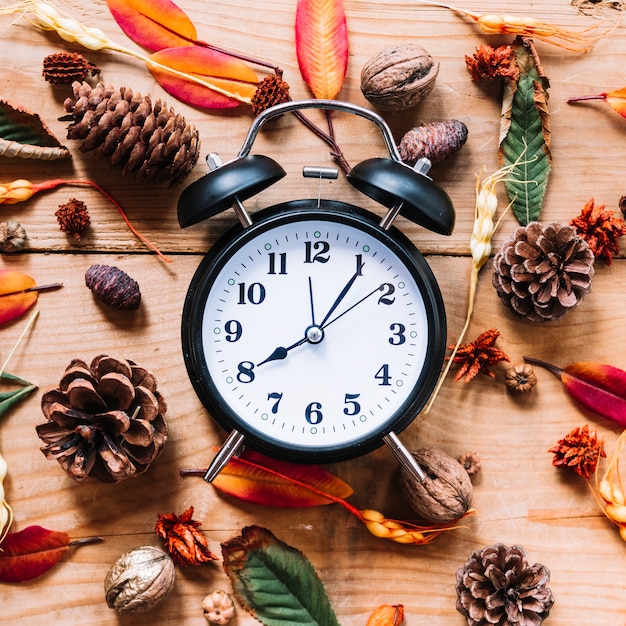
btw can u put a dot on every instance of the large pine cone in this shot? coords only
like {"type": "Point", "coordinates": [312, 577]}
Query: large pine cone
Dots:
{"type": "Point", "coordinates": [147, 140]}
{"type": "Point", "coordinates": [105, 420]}
{"type": "Point", "coordinates": [498, 586]}
{"type": "Point", "coordinates": [542, 272]}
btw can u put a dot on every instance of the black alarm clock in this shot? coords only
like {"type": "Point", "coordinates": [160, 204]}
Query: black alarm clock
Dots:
{"type": "Point", "coordinates": [314, 331]}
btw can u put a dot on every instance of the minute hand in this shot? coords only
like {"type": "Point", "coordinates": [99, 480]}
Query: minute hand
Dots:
{"type": "Point", "coordinates": [380, 287]}
{"type": "Point", "coordinates": [343, 293]}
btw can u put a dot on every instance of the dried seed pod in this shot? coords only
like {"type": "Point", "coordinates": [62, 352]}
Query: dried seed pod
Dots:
{"type": "Point", "coordinates": [63, 68]}
{"type": "Point", "coordinates": [520, 378]}
{"type": "Point", "coordinates": [12, 237]}
{"type": "Point", "coordinates": [113, 286]}
{"type": "Point", "coordinates": [73, 218]}
{"type": "Point", "coordinates": [218, 607]}
{"type": "Point", "coordinates": [399, 77]}
{"type": "Point", "coordinates": [435, 141]}
{"type": "Point", "coordinates": [139, 580]}
{"type": "Point", "coordinates": [446, 492]}
{"type": "Point", "coordinates": [471, 463]}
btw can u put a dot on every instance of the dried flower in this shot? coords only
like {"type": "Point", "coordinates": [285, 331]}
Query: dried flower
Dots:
{"type": "Point", "coordinates": [597, 226]}
{"type": "Point", "coordinates": [182, 539]}
{"type": "Point", "coordinates": [73, 218]}
{"type": "Point", "coordinates": [476, 357]}
{"type": "Point", "coordinates": [271, 90]}
{"type": "Point", "coordinates": [581, 450]}
{"type": "Point", "coordinates": [113, 286]}
{"type": "Point", "coordinates": [611, 491]}
{"type": "Point", "coordinates": [520, 378]}
{"type": "Point", "coordinates": [63, 68]}
{"type": "Point", "coordinates": [489, 62]}
{"type": "Point", "coordinates": [218, 607]}
{"type": "Point", "coordinates": [12, 237]}
{"type": "Point", "coordinates": [471, 462]}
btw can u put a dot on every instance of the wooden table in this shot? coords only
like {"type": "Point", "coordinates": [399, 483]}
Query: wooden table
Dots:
{"type": "Point", "coordinates": [518, 496]}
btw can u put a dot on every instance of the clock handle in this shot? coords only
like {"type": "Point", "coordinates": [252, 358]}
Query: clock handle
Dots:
{"type": "Point", "coordinates": [407, 460]}
{"type": "Point", "coordinates": [229, 448]}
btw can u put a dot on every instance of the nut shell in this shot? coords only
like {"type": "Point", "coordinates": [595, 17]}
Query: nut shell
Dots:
{"type": "Point", "coordinates": [399, 77]}
{"type": "Point", "coordinates": [446, 492]}
{"type": "Point", "coordinates": [139, 580]}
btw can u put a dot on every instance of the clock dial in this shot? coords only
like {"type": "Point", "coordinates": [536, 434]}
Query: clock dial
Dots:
{"type": "Point", "coordinates": [316, 333]}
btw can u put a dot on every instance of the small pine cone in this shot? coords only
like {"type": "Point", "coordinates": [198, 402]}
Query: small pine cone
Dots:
{"type": "Point", "coordinates": [149, 141]}
{"type": "Point", "coordinates": [271, 90]}
{"type": "Point", "coordinates": [435, 141]}
{"type": "Point", "coordinates": [113, 286]}
{"type": "Point", "coordinates": [104, 420]}
{"type": "Point", "coordinates": [498, 586]}
{"type": "Point", "coordinates": [542, 272]}
{"type": "Point", "coordinates": [63, 68]}
{"type": "Point", "coordinates": [73, 218]}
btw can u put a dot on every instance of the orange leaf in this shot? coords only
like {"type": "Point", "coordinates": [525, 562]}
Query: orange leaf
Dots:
{"type": "Point", "coordinates": [387, 615]}
{"type": "Point", "coordinates": [213, 67]}
{"type": "Point", "coordinates": [616, 100]}
{"type": "Point", "coordinates": [255, 478]}
{"type": "Point", "coordinates": [322, 45]}
{"type": "Point", "coordinates": [16, 283]}
{"type": "Point", "coordinates": [153, 24]}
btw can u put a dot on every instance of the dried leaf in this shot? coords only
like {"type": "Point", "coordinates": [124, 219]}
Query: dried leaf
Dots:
{"type": "Point", "coordinates": [12, 306]}
{"type": "Point", "coordinates": [525, 134]}
{"type": "Point", "coordinates": [24, 134]}
{"type": "Point", "coordinates": [153, 24]}
{"type": "Point", "coordinates": [597, 387]}
{"type": "Point", "coordinates": [387, 615]}
{"type": "Point", "coordinates": [9, 399]}
{"type": "Point", "coordinates": [255, 478]}
{"type": "Point", "coordinates": [322, 45]}
{"type": "Point", "coordinates": [615, 99]}
{"type": "Point", "coordinates": [274, 581]}
{"type": "Point", "coordinates": [216, 68]}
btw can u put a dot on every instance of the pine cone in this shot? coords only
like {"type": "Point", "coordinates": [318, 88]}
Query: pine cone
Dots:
{"type": "Point", "coordinates": [105, 420]}
{"type": "Point", "coordinates": [542, 272]}
{"type": "Point", "coordinates": [147, 140]}
{"type": "Point", "coordinates": [63, 68]}
{"type": "Point", "coordinates": [498, 586]}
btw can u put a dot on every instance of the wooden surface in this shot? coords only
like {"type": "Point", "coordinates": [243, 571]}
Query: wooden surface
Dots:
{"type": "Point", "coordinates": [519, 497]}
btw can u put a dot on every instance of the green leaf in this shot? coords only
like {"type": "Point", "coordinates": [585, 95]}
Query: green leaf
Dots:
{"type": "Point", "coordinates": [275, 582]}
{"type": "Point", "coordinates": [525, 134]}
{"type": "Point", "coordinates": [10, 398]}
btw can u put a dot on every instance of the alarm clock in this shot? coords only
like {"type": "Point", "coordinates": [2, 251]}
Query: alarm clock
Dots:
{"type": "Point", "coordinates": [314, 331]}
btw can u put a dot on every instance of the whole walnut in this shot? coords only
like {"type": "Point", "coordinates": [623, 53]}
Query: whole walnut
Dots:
{"type": "Point", "coordinates": [445, 494]}
{"type": "Point", "coordinates": [139, 580]}
{"type": "Point", "coordinates": [399, 77]}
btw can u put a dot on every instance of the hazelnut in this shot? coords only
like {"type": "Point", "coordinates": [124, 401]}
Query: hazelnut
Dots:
{"type": "Point", "coordinates": [399, 77]}
{"type": "Point", "coordinates": [139, 580]}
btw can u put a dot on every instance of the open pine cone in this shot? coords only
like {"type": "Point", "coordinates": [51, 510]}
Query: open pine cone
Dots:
{"type": "Point", "coordinates": [497, 586]}
{"type": "Point", "coordinates": [146, 139]}
{"type": "Point", "coordinates": [105, 420]}
{"type": "Point", "coordinates": [542, 272]}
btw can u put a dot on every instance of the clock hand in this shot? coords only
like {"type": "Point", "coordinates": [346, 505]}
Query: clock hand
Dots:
{"type": "Point", "coordinates": [311, 300]}
{"type": "Point", "coordinates": [380, 287]}
{"type": "Point", "coordinates": [344, 291]}
{"type": "Point", "coordinates": [281, 352]}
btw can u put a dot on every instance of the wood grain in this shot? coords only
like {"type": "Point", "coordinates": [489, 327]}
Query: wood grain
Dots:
{"type": "Point", "coordinates": [518, 496]}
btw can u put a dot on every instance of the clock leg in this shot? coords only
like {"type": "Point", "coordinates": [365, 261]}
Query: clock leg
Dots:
{"type": "Point", "coordinates": [229, 448]}
{"type": "Point", "coordinates": [404, 456]}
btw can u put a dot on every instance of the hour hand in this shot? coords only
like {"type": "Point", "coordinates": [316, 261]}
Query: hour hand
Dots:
{"type": "Point", "coordinates": [280, 353]}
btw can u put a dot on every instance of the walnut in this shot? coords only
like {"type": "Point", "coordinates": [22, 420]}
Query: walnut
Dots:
{"type": "Point", "coordinates": [446, 492]}
{"type": "Point", "coordinates": [139, 580]}
{"type": "Point", "coordinates": [399, 77]}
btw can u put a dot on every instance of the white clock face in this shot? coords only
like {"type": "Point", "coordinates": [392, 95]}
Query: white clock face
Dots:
{"type": "Point", "coordinates": [315, 334]}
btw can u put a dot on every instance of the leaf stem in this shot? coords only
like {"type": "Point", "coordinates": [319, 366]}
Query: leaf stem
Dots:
{"type": "Point", "coordinates": [557, 371]}
{"type": "Point", "coordinates": [84, 541]}
{"type": "Point", "coordinates": [598, 96]}
{"type": "Point", "coordinates": [50, 287]}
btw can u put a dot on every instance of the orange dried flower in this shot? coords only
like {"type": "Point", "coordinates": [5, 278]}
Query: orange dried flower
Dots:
{"type": "Point", "coordinates": [182, 540]}
{"type": "Point", "coordinates": [271, 90]}
{"type": "Point", "coordinates": [73, 218]}
{"type": "Point", "coordinates": [476, 357]}
{"type": "Point", "coordinates": [580, 449]}
{"type": "Point", "coordinates": [597, 226]}
{"type": "Point", "coordinates": [489, 62]}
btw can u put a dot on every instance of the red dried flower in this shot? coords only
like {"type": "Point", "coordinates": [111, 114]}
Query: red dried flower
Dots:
{"type": "Point", "coordinates": [489, 62]}
{"type": "Point", "coordinates": [477, 356]}
{"type": "Point", "coordinates": [182, 540]}
{"type": "Point", "coordinates": [581, 450]}
{"type": "Point", "coordinates": [597, 226]}
{"type": "Point", "coordinates": [73, 218]}
{"type": "Point", "coordinates": [271, 90]}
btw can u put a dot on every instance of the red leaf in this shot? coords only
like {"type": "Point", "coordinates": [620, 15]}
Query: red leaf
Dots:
{"type": "Point", "coordinates": [597, 387]}
{"type": "Point", "coordinates": [615, 99]}
{"type": "Point", "coordinates": [153, 24]}
{"type": "Point", "coordinates": [322, 45]}
{"type": "Point", "coordinates": [219, 69]}
{"type": "Point", "coordinates": [30, 553]}
{"type": "Point", "coordinates": [15, 305]}
{"type": "Point", "coordinates": [255, 478]}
